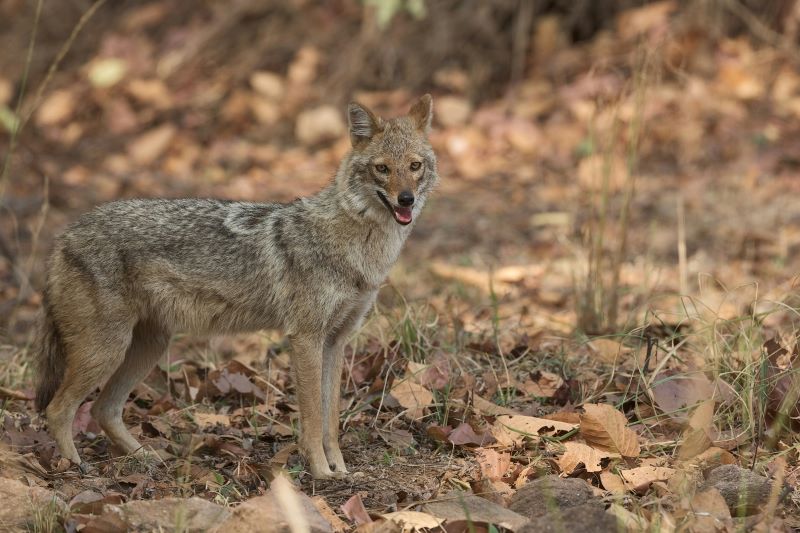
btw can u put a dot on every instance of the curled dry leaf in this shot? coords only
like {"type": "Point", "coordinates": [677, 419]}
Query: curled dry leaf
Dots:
{"type": "Point", "coordinates": [513, 430]}
{"type": "Point", "coordinates": [605, 428]}
{"type": "Point", "coordinates": [354, 510]}
{"type": "Point", "coordinates": [577, 453]}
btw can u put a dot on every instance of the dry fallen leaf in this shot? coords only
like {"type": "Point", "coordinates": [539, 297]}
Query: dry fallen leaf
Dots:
{"type": "Point", "coordinates": [492, 409]}
{"type": "Point", "coordinates": [464, 434]}
{"type": "Point", "coordinates": [512, 430]}
{"type": "Point", "coordinates": [712, 457]}
{"type": "Point", "coordinates": [607, 350]}
{"type": "Point", "coordinates": [676, 394]}
{"type": "Point", "coordinates": [328, 514]}
{"type": "Point", "coordinates": [628, 521]}
{"type": "Point", "coordinates": [697, 438]}
{"type": "Point", "coordinates": [413, 397]}
{"type": "Point", "coordinates": [493, 465]}
{"type": "Point", "coordinates": [354, 510]}
{"type": "Point", "coordinates": [414, 520]}
{"type": "Point", "coordinates": [604, 427]}
{"type": "Point", "coordinates": [577, 453]}
{"type": "Point", "coordinates": [640, 479]}
{"type": "Point", "coordinates": [613, 483]}
{"type": "Point", "coordinates": [209, 420]}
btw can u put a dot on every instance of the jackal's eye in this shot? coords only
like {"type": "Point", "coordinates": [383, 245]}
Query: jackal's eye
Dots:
{"type": "Point", "coordinates": [416, 165]}
{"type": "Point", "coordinates": [383, 169]}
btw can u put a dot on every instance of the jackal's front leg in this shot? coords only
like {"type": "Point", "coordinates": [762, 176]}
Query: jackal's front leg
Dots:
{"type": "Point", "coordinates": [307, 364]}
{"type": "Point", "coordinates": [333, 357]}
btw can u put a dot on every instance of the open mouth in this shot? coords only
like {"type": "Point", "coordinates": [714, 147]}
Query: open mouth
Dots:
{"type": "Point", "coordinates": [402, 215]}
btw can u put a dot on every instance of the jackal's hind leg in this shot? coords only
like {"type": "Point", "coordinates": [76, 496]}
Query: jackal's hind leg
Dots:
{"type": "Point", "coordinates": [91, 358]}
{"type": "Point", "coordinates": [148, 345]}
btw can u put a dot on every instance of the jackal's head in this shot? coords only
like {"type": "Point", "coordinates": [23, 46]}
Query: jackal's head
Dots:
{"type": "Point", "coordinates": [392, 166]}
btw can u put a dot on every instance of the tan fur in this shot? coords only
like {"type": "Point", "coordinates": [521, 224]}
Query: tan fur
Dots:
{"type": "Point", "coordinates": [125, 277]}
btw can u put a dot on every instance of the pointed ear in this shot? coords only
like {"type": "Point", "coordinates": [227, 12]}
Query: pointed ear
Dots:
{"type": "Point", "coordinates": [363, 123]}
{"type": "Point", "coordinates": [422, 113]}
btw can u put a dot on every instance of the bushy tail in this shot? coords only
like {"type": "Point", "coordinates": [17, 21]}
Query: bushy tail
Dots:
{"type": "Point", "coordinates": [51, 359]}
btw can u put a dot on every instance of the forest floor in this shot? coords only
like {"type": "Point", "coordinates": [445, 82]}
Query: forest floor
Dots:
{"type": "Point", "coordinates": [593, 325]}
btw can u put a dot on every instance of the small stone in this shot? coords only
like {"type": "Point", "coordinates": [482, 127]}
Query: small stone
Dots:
{"type": "Point", "coordinates": [551, 494]}
{"type": "Point", "coordinates": [167, 514]}
{"type": "Point", "coordinates": [744, 491]}
{"type": "Point", "coordinates": [457, 506]}
{"type": "Point", "coordinates": [585, 518]}
{"type": "Point", "coordinates": [22, 502]}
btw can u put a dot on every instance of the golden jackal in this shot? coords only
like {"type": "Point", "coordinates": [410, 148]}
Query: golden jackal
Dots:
{"type": "Point", "coordinates": [127, 275]}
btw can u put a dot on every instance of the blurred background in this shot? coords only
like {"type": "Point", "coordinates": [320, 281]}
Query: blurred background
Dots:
{"type": "Point", "coordinates": [599, 159]}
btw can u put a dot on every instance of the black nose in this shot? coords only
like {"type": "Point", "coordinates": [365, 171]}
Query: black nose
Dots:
{"type": "Point", "coordinates": [405, 199]}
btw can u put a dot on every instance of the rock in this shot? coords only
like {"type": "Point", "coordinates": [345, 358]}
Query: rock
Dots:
{"type": "Point", "coordinates": [457, 506]}
{"type": "Point", "coordinates": [266, 514]}
{"type": "Point", "coordinates": [744, 491]}
{"type": "Point", "coordinates": [551, 494]}
{"type": "Point", "coordinates": [167, 514]}
{"type": "Point", "coordinates": [585, 518]}
{"type": "Point", "coordinates": [452, 111]}
{"type": "Point", "coordinates": [27, 508]}
{"type": "Point", "coordinates": [318, 125]}
{"type": "Point", "coordinates": [268, 85]}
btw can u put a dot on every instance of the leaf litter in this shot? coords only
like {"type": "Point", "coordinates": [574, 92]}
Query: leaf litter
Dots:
{"type": "Point", "coordinates": [520, 398]}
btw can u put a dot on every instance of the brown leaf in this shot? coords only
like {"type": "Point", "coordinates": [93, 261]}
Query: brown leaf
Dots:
{"type": "Point", "coordinates": [413, 397]}
{"type": "Point", "coordinates": [609, 351]}
{"type": "Point", "coordinates": [513, 430]}
{"type": "Point", "coordinates": [613, 483]}
{"type": "Point", "coordinates": [545, 385]}
{"type": "Point", "coordinates": [464, 434]}
{"type": "Point", "coordinates": [354, 510]}
{"type": "Point", "coordinates": [493, 465]}
{"type": "Point", "coordinates": [676, 394]}
{"type": "Point", "coordinates": [209, 420]}
{"type": "Point", "coordinates": [577, 453]}
{"type": "Point", "coordinates": [414, 520]}
{"type": "Point", "coordinates": [642, 477]}
{"type": "Point", "coordinates": [698, 435]}
{"type": "Point", "coordinates": [604, 427]}
{"type": "Point", "coordinates": [328, 514]}
{"type": "Point", "coordinates": [226, 382]}
{"type": "Point", "coordinates": [492, 409]}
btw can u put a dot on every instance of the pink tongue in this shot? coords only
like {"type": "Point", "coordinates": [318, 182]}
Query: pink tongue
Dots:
{"type": "Point", "coordinates": [403, 214]}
